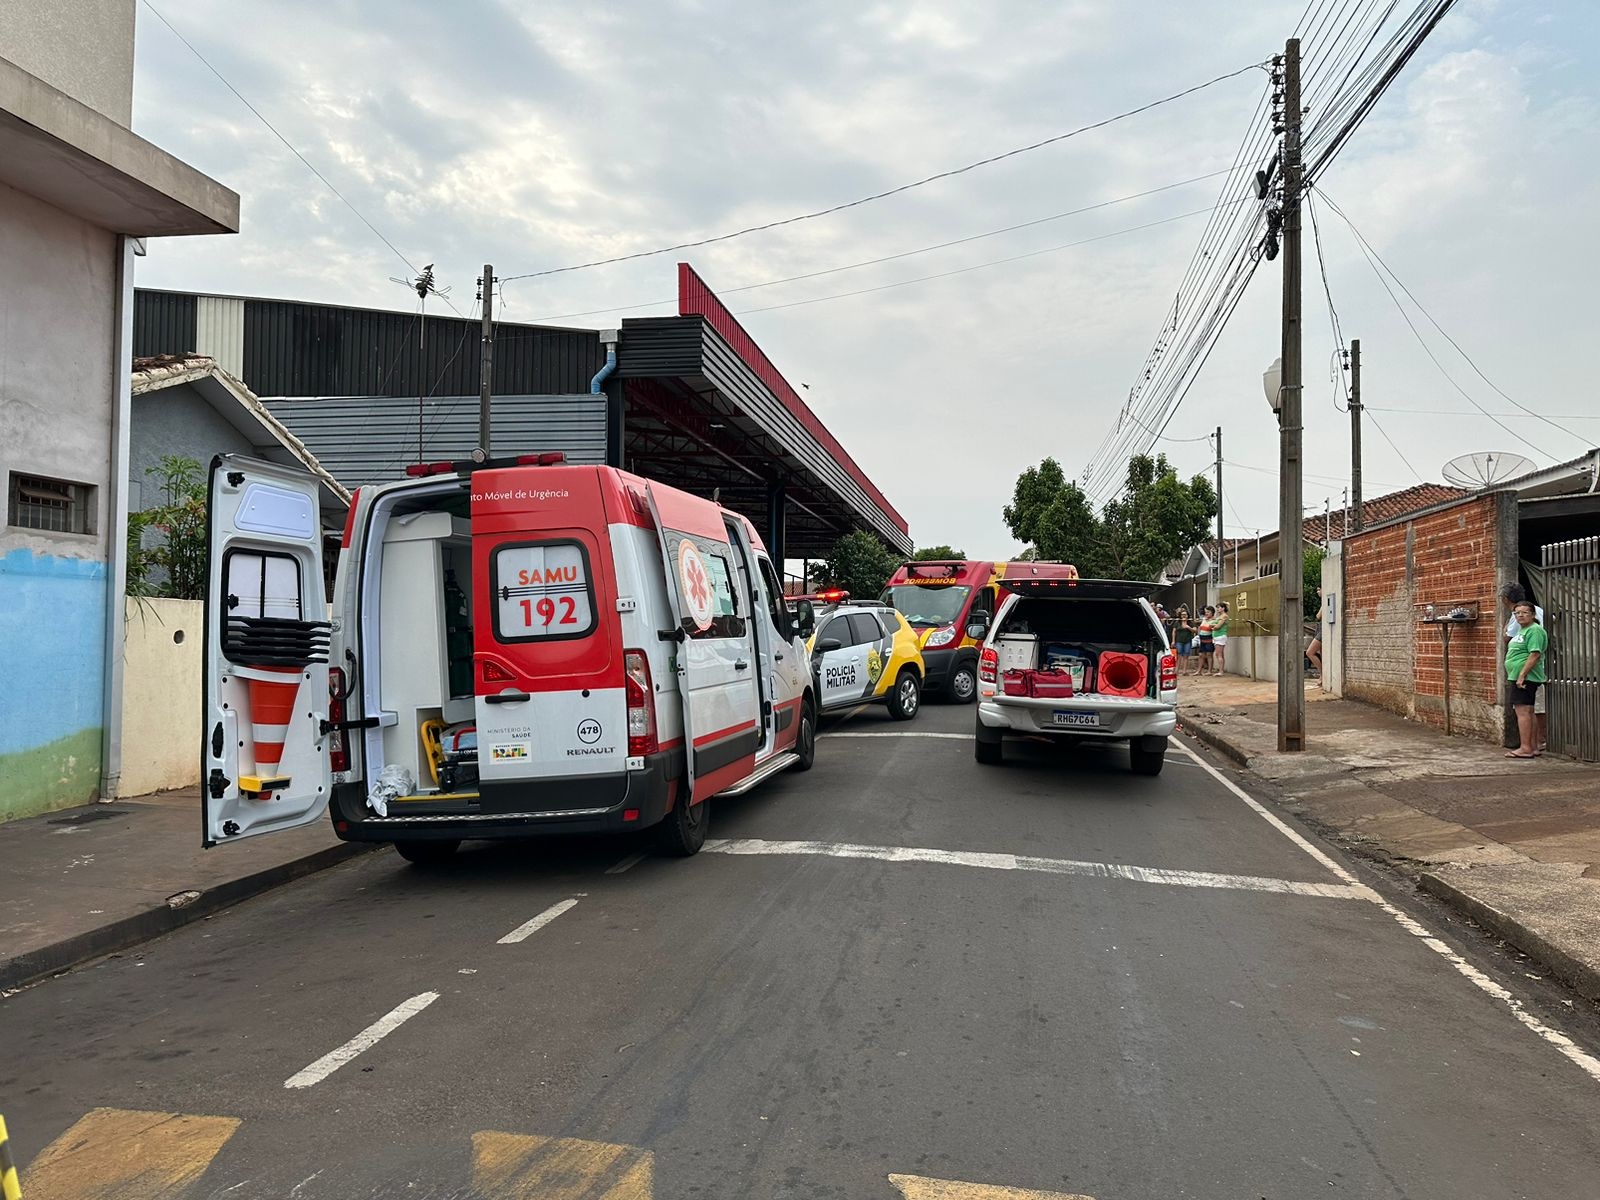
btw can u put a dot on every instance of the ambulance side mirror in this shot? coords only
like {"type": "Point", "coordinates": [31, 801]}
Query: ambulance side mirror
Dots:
{"type": "Point", "coordinates": [978, 626]}
{"type": "Point", "coordinates": [805, 618]}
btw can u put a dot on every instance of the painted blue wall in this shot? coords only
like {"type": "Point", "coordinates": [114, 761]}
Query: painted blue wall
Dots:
{"type": "Point", "coordinates": [52, 653]}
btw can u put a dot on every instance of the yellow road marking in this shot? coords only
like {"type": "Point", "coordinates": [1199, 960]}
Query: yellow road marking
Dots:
{"type": "Point", "coordinates": [512, 1166]}
{"type": "Point", "coordinates": [919, 1187]}
{"type": "Point", "coordinates": [128, 1155]}
{"type": "Point", "coordinates": [10, 1185]}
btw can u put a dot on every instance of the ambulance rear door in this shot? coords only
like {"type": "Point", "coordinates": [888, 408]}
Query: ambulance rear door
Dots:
{"type": "Point", "coordinates": [717, 664]}
{"type": "Point", "coordinates": [264, 761]}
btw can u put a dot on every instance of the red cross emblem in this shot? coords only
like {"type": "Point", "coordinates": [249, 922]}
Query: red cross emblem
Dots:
{"type": "Point", "coordinates": [699, 589]}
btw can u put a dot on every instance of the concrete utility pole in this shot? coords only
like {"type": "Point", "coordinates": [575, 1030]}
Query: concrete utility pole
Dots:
{"type": "Point", "coordinates": [486, 369]}
{"type": "Point", "coordinates": [1355, 434]}
{"type": "Point", "coordinates": [1219, 496]}
{"type": "Point", "coordinates": [1291, 661]}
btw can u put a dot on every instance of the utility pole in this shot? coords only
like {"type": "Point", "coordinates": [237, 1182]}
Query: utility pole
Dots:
{"type": "Point", "coordinates": [1291, 662]}
{"type": "Point", "coordinates": [486, 369]}
{"type": "Point", "coordinates": [1219, 489]}
{"type": "Point", "coordinates": [1355, 433]}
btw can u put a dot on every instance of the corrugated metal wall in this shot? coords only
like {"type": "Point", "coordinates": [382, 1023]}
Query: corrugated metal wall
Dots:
{"type": "Point", "coordinates": [219, 331]}
{"type": "Point", "coordinates": [315, 350]}
{"type": "Point", "coordinates": [286, 348]}
{"type": "Point", "coordinates": [163, 323]}
{"type": "Point", "coordinates": [371, 439]}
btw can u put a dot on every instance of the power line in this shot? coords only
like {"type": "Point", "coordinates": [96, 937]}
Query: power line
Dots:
{"type": "Point", "coordinates": [343, 199]}
{"type": "Point", "coordinates": [872, 262]}
{"type": "Point", "coordinates": [977, 266]}
{"type": "Point", "coordinates": [1379, 427]}
{"type": "Point", "coordinates": [1468, 412]}
{"type": "Point", "coordinates": [894, 191]}
{"type": "Point", "coordinates": [1368, 248]}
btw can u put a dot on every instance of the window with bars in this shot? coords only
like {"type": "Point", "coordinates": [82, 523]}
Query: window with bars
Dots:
{"type": "Point", "coordinates": [50, 505]}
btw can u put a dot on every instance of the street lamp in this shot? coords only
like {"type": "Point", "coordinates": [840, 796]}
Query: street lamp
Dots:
{"type": "Point", "coordinates": [1272, 384]}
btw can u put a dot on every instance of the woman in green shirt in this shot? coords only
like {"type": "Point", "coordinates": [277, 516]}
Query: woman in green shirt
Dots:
{"type": "Point", "coordinates": [1524, 673]}
{"type": "Point", "coordinates": [1219, 638]}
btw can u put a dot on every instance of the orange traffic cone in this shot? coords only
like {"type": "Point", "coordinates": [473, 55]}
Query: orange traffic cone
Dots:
{"type": "Point", "coordinates": [272, 695]}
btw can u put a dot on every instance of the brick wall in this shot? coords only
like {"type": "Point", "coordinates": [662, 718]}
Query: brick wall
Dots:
{"type": "Point", "coordinates": [1458, 555]}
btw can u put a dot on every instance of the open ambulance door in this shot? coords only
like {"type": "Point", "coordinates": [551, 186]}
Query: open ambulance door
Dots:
{"type": "Point", "coordinates": [714, 648]}
{"type": "Point", "coordinates": [264, 763]}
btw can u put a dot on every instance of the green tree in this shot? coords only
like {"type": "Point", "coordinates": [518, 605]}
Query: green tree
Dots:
{"type": "Point", "coordinates": [860, 564]}
{"type": "Point", "coordinates": [1053, 516]}
{"type": "Point", "coordinates": [174, 564]}
{"type": "Point", "coordinates": [1154, 519]}
{"type": "Point", "coordinates": [1312, 580]}
{"type": "Point", "coordinates": [938, 554]}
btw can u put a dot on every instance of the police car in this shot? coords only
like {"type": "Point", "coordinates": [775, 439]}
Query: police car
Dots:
{"type": "Point", "coordinates": [864, 652]}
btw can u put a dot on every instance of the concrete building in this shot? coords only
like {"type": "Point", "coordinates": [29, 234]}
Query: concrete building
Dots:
{"type": "Point", "coordinates": [78, 192]}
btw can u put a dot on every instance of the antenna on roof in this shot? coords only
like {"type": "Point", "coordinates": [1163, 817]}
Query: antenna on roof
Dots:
{"type": "Point", "coordinates": [1485, 468]}
{"type": "Point", "coordinates": [424, 287]}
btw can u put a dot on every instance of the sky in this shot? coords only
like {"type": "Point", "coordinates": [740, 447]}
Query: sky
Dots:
{"type": "Point", "coordinates": [541, 135]}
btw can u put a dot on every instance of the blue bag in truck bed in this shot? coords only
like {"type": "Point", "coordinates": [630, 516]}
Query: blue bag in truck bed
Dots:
{"type": "Point", "coordinates": [1062, 656]}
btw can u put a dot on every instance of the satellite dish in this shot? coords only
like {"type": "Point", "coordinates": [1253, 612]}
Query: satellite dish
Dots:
{"type": "Point", "coordinates": [1485, 469]}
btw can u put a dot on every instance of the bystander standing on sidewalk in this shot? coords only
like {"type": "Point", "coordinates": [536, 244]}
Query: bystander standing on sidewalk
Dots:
{"type": "Point", "coordinates": [1514, 594]}
{"type": "Point", "coordinates": [1183, 638]}
{"type": "Point", "coordinates": [1524, 673]}
{"type": "Point", "coordinates": [1314, 650]}
{"type": "Point", "coordinates": [1206, 638]}
{"type": "Point", "coordinates": [1219, 638]}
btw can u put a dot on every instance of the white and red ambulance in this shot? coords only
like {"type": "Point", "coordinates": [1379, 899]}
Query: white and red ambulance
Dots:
{"type": "Point", "coordinates": [513, 648]}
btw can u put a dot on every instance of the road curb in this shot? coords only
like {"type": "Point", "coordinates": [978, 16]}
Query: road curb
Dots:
{"type": "Point", "coordinates": [1216, 741]}
{"type": "Point", "coordinates": [153, 922]}
{"type": "Point", "coordinates": [1582, 977]}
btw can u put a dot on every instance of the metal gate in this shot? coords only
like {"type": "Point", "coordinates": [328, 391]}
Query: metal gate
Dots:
{"type": "Point", "coordinates": [1572, 617]}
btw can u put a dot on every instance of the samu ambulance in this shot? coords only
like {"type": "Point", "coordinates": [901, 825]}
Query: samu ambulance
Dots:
{"type": "Point", "coordinates": [514, 648]}
{"type": "Point", "coordinates": [940, 600]}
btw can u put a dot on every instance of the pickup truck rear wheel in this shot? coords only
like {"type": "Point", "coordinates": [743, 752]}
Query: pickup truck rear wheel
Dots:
{"type": "Point", "coordinates": [988, 746]}
{"type": "Point", "coordinates": [1145, 761]}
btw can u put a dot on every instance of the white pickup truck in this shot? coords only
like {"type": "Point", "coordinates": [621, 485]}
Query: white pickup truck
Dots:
{"type": "Point", "coordinates": [1049, 617]}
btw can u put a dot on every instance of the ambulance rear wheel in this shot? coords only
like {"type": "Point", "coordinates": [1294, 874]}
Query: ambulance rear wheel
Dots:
{"type": "Point", "coordinates": [805, 741]}
{"type": "Point", "coordinates": [428, 854]}
{"type": "Point", "coordinates": [683, 831]}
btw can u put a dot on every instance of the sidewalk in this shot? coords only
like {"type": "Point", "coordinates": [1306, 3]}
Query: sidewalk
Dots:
{"type": "Point", "coordinates": [1514, 845]}
{"type": "Point", "coordinates": [88, 881]}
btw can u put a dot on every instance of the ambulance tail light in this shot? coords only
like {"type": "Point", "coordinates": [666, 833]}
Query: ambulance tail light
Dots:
{"type": "Point", "coordinates": [642, 738]}
{"type": "Point", "coordinates": [338, 745]}
{"type": "Point", "coordinates": [1169, 671]}
{"type": "Point", "coordinates": [988, 664]}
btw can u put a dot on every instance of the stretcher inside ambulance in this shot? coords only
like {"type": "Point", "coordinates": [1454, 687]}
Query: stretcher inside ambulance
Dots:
{"type": "Point", "coordinates": [512, 648]}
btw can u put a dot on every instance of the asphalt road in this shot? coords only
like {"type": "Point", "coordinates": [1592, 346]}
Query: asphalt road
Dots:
{"type": "Point", "coordinates": [899, 969]}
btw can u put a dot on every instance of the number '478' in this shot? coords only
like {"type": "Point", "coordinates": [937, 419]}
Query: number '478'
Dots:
{"type": "Point", "coordinates": [545, 607]}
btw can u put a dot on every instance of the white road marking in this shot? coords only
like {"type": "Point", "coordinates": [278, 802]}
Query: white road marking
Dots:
{"type": "Point", "coordinates": [1574, 1053]}
{"type": "Point", "coordinates": [365, 1040]}
{"type": "Point", "coordinates": [1048, 866]}
{"type": "Point", "coordinates": [633, 860]}
{"type": "Point", "coordinates": [529, 928]}
{"type": "Point", "coordinates": [957, 737]}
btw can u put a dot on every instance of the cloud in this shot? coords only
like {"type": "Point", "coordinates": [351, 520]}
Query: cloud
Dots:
{"type": "Point", "coordinates": [536, 136]}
